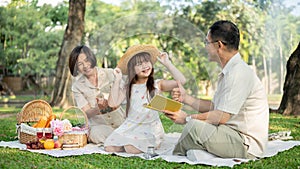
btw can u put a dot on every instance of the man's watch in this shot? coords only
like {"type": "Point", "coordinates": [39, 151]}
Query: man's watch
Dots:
{"type": "Point", "coordinates": [188, 118]}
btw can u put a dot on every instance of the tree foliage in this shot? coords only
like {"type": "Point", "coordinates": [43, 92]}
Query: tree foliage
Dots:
{"type": "Point", "coordinates": [269, 33]}
{"type": "Point", "coordinates": [30, 44]}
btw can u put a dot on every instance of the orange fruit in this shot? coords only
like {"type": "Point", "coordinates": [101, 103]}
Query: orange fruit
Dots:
{"type": "Point", "coordinates": [42, 141]}
{"type": "Point", "coordinates": [49, 144]}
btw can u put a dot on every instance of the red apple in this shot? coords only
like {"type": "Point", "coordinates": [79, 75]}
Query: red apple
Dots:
{"type": "Point", "coordinates": [57, 144]}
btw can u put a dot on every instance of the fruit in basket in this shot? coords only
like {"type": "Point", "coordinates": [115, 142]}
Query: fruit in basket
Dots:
{"type": "Point", "coordinates": [42, 140]}
{"type": "Point", "coordinates": [57, 144]}
{"type": "Point", "coordinates": [35, 144]}
{"type": "Point", "coordinates": [40, 145]}
{"type": "Point", "coordinates": [49, 144]}
{"type": "Point", "coordinates": [28, 145]}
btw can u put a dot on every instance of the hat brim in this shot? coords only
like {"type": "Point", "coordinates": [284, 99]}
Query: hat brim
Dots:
{"type": "Point", "coordinates": [133, 50]}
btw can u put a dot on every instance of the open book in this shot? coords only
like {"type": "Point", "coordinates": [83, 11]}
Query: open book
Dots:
{"type": "Point", "coordinates": [160, 103]}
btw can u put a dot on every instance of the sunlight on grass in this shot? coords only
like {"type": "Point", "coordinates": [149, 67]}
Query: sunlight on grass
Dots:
{"type": "Point", "coordinates": [278, 128]}
{"type": "Point", "coordinates": [23, 98]}
{"type": "Point", "coordinates": [14, 158]}
{"type": "Point", "coordinates": [279, 122]}
{"type": "Point", "coordinates": [7, 110]}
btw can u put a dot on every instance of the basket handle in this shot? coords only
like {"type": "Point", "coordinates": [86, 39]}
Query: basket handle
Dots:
{"type": "Point", "coordinates": [71, 107]}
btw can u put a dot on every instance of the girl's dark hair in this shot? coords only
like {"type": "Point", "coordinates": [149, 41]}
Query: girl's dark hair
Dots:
{"type": "Point", "coordinates": [132, 76]}
{"type": "Point", "coordinates": [74, 56]}
{"type": "Point", "coordinates": [226, 32]}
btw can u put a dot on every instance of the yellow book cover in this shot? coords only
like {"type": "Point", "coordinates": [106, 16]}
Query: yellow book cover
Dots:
{"type": "Point", "coordinates": [160, 103]}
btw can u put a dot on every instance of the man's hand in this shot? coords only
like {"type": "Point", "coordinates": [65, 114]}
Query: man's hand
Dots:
{"type": "Point", "coordinates": [178, 93]}
{"type": "Point", "coordinates": [178, 116]}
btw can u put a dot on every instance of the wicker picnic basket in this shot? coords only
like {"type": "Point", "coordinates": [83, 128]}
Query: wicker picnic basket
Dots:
{"type": "Point", "coordinates": [31, 112]}
{"type": "Point", "coordinates": [75, 138]}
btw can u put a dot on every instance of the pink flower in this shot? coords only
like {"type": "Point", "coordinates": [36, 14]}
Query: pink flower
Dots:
{"type": "Point", "coordinates": [58, 127]}
{"type": "Point", "coordinates": [58, 131]}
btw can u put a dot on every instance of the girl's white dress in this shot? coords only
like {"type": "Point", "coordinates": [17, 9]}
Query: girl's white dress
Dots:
{"type": "Point", "coordinates": [142, 128]}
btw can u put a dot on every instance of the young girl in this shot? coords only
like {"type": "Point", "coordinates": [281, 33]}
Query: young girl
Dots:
{"type": "Point", "coordinates": [142, 127]}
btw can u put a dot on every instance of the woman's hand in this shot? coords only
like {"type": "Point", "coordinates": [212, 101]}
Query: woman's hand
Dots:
{"type": "Point", "coordinates": [102, 103]}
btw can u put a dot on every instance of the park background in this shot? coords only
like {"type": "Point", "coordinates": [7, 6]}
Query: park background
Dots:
{"type": "Point", "coordinates": [36, 38]}
{"type": "Point", "coordinates": [32, 34]}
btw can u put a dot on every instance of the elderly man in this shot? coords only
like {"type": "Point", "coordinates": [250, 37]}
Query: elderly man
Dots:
{"type": "Point", "coordinates": [235, 123]}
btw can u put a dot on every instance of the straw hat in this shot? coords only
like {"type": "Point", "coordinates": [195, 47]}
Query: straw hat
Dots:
{"type": "Point", "coordinates": [133, 50]}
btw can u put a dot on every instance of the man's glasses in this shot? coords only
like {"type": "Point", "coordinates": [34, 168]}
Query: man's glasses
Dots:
{"type": "Point", "coordinates": [208, 42]}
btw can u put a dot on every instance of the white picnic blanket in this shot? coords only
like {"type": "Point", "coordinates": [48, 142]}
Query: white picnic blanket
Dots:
{"type": "Point", "coordinates": [164, 152]}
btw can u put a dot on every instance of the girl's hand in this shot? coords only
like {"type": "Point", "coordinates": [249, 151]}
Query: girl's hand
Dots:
{"type": "Point", "coordinates": [118, 73]}
{"type": "Point", "coordinates": [164, 58]}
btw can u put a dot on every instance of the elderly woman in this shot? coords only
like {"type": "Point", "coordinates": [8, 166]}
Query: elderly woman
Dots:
{"type": "Point", "coordinates": [91, 87]}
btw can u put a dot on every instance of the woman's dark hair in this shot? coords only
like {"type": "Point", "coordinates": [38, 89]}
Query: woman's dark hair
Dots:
{"type": "Point", "coordinates": [74, 56]}
{"type": "Point", "coordinates": [132, 76]}
{"type": "Point", "coordinates": [226, 32]}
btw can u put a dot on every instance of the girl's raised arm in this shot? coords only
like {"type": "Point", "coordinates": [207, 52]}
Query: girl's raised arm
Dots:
{"type": "Point", "coordinates": [167, 85]}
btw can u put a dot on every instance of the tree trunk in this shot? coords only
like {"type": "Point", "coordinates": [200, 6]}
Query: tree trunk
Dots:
{"type": "Point", "coordinates": [61, 95]}
{"type": "Point", "coordinates": [290, 103]}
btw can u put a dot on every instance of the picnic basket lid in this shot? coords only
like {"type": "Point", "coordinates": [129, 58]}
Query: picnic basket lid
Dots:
{"type": "Point", "coordinates": [33, 111]}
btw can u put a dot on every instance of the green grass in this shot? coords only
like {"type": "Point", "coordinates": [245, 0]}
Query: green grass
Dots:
{"type": "Point", "coordinates": [22, 98]}
{"type": "Point", "coordinates": [11, 109]}
{"type": "Point", "coordinates": [14, 158]}
{"type": "Point", "coordinates": [14, 104]}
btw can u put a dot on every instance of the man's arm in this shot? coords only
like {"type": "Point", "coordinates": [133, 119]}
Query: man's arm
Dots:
{"type": "Point", "coordinates": [215, 117]}
{"type": "Point", "coordinates": [200, 105]}
{"type": "Point", "coordinates": [211, 116]}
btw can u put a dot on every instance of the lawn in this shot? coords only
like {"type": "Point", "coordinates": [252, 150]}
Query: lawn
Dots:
{"type": "Point", "coordinates": [14, 158]}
